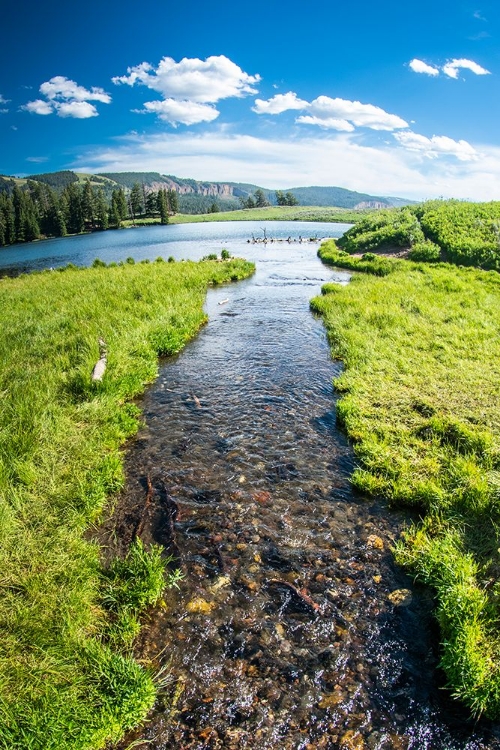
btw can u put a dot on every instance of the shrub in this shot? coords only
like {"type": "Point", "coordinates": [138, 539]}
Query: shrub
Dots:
{"type": "Point", "coordinates": [426, 252]}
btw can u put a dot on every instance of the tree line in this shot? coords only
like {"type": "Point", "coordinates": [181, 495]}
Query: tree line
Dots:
{"type": "Point", "coordinates": [259, 199]}
{"type": "Point", "coordinates": [37, 210]}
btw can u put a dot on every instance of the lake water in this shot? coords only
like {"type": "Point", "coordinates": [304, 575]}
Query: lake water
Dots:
{"type": "Point", "coordinates": [177, 240]}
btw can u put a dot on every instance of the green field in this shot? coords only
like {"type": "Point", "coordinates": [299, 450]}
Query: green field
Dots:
{"type": "Point", "coordinates": [67, 679]}
{"type": "Point", "coordinates": [269, 213]}
{"type": "Point", "coordinates": [421, 403]}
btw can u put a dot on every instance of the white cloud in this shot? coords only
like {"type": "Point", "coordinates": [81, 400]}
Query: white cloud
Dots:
{"type": "Point", "coordinates": [79, 110]}
{"type": "Point", "coordinates": [190, 81]}
{"type": "Point", "coordinates": [67, 99]}
{"type": "Point", "coordinates": [437, 145]}
{"type": "Point", "coordinates": [37, 159]}
{"type": "Point", "coordinates": [38, 107]}
{"type": "Point", "coordinates": [360, 115]}
{"type": "Point", "coordinates": [329, 123]}
{"type": "Point", "coordinates": [326, 159]}
{"type": "Point", "coordinates": [64, 89]}
{"type": "Point", "coordinates": [334, 114]}
{"type": "Point", "coordinates": [184, 112]}
{"type": "Point", "coordinates": [419, 66]}
{"type": "Point", "coordinates": [451, 68]}
{"type": "Point", "coordinates": [279, 103]}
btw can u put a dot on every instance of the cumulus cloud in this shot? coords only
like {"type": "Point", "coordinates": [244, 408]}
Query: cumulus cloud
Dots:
{"type": "Point", "coordinates": [437, 145]}
{"type": "Point", "coordinates": [67, 99]}
{"type": "Point", "coordinates": [3, 110]}
{"type": "Point", "coordinates": [279, 103]}
{"type": "Point", "coordinates": [190, 82]}
{"type": "Point", "coordinates": [184, 112]}
{"type": "Point", "coordinates": [39, 107]}
{"type": "Point", "coordinates": [61, 88]}
{"type": "Point", "coordinates": [450, 69]}
{"type": "Point", "coordinates": [419, 66]}
{"type": "Point", "coordinates": [332, 114]}
{"type": "Point", "coordinates": [79, 110]}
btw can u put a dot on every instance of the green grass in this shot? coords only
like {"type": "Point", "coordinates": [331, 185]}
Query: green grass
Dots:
{"type": "Point", "coordinates": [270, 213]}
{"type": "Point", "coordinates": [67, 680]}
{"type": "Point", "coordinates": [421, 402]}
{"type": "Point", "coordinates": [459, 232]}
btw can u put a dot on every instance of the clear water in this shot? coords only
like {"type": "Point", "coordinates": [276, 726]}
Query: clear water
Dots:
{"type": "Point", "coordinates": [177, 240]}
{"type": "Point", "coordinates": [282, 634]}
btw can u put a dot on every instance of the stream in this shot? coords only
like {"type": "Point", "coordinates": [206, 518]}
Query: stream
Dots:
{"type": "Point", "coordinates": [291, 628]}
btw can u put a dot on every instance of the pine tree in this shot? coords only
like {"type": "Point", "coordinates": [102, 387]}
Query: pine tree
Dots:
{"type": "Point", "coordinates": [88, 205]}
{"type": "Point", "coordinates": [173, 201]}
{"type": "Point", "coordinates": [136, 206]}
{"type": "Point", "coordinates": [151, 203]}
{"type": "Point", "coordinates": [162, 205]}
{"type": "Point", "coordinates": [72, 202]}
{"type": "Point", "coordinates": [260, 198]}
{"type": "Point", "coordinates": [101, 209]}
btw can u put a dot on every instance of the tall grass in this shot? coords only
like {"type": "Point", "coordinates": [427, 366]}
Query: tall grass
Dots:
{"type": "Point", "coordinates": [66, 677]}
{"type": "Point", "coordinates": [421, 402]}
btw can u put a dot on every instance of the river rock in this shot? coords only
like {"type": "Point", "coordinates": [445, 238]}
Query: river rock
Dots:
{"type": "Point", "coordinates": [352, 740]}
{"type": "Point", "coordinates": [200, 606]}
{"type": "Point", "coordinates": [401, 597]}
{"type": "Point", "coordinates": [375, 542]}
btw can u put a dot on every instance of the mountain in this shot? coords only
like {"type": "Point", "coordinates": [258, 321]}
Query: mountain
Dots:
{"type": "Point", "coordinates": [337, 196]}
{"type": "Point", "coordinates": [196, 196]}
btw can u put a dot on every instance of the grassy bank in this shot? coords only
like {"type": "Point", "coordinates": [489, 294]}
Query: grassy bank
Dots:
{"type": "Point", "coordinates": [269, 213]}
{"type": "Point", "coordinates": [454, 231]}
{"type": "Point", "coordinates": [421, 402]}
{"type": "Point", "coordinates": [66, 676]}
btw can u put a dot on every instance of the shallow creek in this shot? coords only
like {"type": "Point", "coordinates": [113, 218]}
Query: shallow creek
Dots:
{"type": "Point", "coordinates": [285, 631]}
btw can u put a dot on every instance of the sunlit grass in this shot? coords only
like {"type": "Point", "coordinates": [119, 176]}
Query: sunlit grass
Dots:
{"type": "Point", "coordinates": [421, 402]}
{"type": "Point", "coordinates": [66, 679]}
{"type": "Point", "coordinates": [269, 213]}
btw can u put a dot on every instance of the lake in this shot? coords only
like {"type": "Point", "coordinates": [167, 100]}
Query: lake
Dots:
{"type": "Point", "coordinates": [189, 241]}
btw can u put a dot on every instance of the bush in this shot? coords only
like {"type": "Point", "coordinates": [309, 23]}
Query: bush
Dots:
{"type": "Point", "coordinates": [426, 252]}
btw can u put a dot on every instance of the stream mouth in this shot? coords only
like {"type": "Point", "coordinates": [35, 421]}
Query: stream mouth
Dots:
{"type": "Point", "coordinates": [292, 627]}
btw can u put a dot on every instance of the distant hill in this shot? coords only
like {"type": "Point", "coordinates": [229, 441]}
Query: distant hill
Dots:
{"type": "Point", "coordinates": [337, 196]}
{"type": "Point", "coordinates": [196, 196]}
{"type": "Point", "coordinates": [232, 191]}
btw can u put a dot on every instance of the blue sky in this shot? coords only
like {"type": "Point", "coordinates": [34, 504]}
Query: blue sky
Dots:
{"type": "Point", "coordinates": [390, 98]}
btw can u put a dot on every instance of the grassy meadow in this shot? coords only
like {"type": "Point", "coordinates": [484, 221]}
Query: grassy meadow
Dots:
{"type": "Point", "coordinates": [459, 232]}
{"type": "Point", "coordinates": [67, 678]}
{"type": "Point", "coordinates": [421, 403]}
{"type": "Point", "coordinates": [269, 213]}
